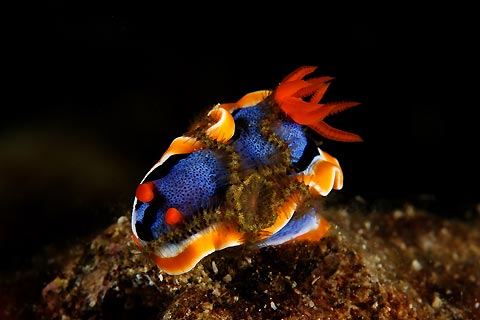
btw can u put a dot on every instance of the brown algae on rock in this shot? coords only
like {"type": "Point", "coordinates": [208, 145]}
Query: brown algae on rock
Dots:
{"type": "Point", "coordinates": [403, 264]}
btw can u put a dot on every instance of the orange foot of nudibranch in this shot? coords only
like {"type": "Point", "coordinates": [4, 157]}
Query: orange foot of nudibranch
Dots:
{"type": "Point", "coordinates": [289, 96]}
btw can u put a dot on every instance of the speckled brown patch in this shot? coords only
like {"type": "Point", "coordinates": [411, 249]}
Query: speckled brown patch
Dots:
{"type": "Point", "coordinates": [399, 264]}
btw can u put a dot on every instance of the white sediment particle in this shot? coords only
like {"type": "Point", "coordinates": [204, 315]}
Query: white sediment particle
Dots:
{"type": "Point", "coordinates": [227, 278]}
{"type": "Point", "coordinates": [437, 301]}
{"type": "Point", "coordinates": [150, 282]}
{"type": "Point", "coordinates": [416, 265]}
{"type": "Point", "coordinates": [216, 292]}
{"type": "Point", "coordinates": [214, 267]}
{"type": "Point", "coordinates": [207, 307]}
{"type": "Point", "coordinates": [397, 214]}
{"type": "Point", "coordinates": [360, 199]}
{"type": "Point", "coordinates": [92, 302]}
{"type": "Point", "coordinates": [410, 210]}
{"type": "Point", "coordinates": [273, 306]}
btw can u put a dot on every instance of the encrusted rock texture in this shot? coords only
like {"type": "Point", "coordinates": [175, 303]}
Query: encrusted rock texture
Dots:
{"type": "Point", "coordinates": [400, 263]}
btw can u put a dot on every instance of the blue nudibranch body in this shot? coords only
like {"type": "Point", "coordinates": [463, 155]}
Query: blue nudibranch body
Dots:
{"type": "Point", "coordinates": [245, 174]}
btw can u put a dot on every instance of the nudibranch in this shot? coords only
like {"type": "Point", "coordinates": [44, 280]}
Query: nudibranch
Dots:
{"type": "Point", "coordinates": [246, 173]}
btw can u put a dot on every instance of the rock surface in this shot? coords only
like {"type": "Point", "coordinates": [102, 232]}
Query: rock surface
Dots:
{"type": "Point", "coordinates": [403, 263]}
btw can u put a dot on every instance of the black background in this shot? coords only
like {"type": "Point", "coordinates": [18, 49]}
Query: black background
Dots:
{"type": "Point", "coordinates": [96, 92]}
